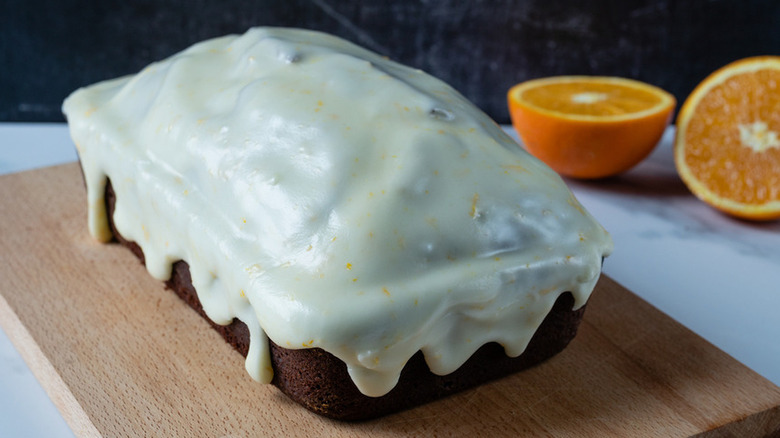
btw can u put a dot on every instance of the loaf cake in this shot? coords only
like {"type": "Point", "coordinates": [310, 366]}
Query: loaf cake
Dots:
{"type": "Point", "coordinates": [364, 235]}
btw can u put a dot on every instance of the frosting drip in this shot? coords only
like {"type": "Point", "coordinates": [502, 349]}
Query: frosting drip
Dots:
{"type": "Point", "coordinates": [331, 198]}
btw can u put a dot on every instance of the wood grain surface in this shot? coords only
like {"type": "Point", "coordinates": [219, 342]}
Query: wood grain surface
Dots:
{"type": "Point", "coordinates": [121, 356]}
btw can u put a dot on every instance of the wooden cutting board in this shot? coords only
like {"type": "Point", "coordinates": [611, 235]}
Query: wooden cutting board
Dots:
{"type": "Point", "coordinates": [121, 356]}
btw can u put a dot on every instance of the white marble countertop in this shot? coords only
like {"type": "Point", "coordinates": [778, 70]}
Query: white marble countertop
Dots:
{"type": "Point", "coordinates": [716, 275]}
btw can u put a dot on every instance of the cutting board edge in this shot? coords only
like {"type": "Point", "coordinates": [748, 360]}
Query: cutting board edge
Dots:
{"type": "Point", "coordinates": [45, 372]}
{"type": "Point", "coordinates": [763, 424]}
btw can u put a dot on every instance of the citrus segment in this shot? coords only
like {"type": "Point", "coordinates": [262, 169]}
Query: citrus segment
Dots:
{"type": "Point", "coordinates": [727, 148]}
{"type": "Point", "coordinates": [590, 98]}
{"type": "Point", "coordinates": [589, 126]}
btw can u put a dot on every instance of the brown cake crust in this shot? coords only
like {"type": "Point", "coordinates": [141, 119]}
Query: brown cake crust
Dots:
{"type": "Point", "coordinates": [319, 381]}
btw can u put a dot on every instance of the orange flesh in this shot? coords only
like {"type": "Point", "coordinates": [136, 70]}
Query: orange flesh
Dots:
{"type": "Point", "coordinates": [714, 151]}
{"type": "Point", "coordinates": [590, 98]}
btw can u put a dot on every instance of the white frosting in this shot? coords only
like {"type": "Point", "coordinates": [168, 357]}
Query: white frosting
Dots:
{"type": "Point", "coordinates": [331, 198]}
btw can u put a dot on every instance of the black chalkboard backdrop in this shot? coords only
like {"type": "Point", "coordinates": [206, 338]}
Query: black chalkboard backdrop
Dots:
{"type": "Point", "coordinates": [49, 48]}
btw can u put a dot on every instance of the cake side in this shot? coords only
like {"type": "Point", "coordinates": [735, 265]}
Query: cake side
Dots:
{"type": "Point", "coordinates": [331, 198]}
{"type": "Point", "coordinates": [320, 382]}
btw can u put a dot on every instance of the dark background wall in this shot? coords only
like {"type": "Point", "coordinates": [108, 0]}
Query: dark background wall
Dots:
{"type": "Point", "coordinates": [49, 48]}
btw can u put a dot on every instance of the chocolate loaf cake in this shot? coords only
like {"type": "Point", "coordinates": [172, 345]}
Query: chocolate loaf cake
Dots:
{"type": "Point", "coordinates": [358, 230]}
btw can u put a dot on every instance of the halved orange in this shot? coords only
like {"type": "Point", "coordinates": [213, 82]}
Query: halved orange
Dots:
{"type": "Point", "coordinates": [727, 146]}
{"type": "Point", "coordinates": [589, 126]}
